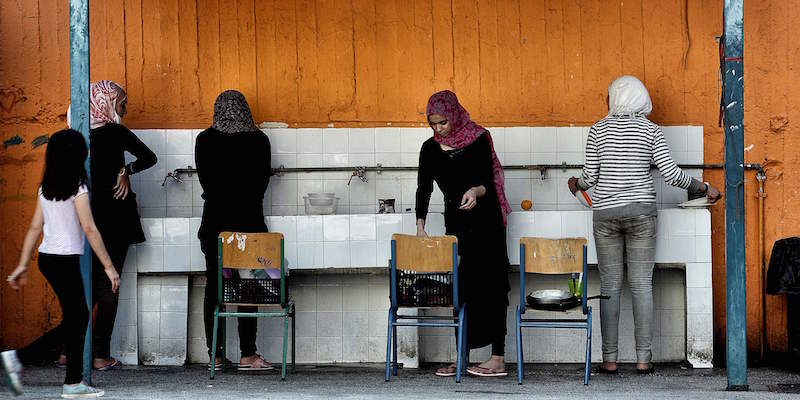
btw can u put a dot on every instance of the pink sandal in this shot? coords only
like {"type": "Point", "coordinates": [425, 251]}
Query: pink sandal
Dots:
{"type": "Point", "coordinates": [260, 364]}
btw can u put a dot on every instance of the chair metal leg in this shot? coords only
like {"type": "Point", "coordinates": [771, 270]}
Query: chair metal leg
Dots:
{"type": "Point", "coordinates": [520, 361]}
{"type": "Point", "coordinates": [460, 344]}
{"type": "Point", "coordinates": [285, 339]}
{"type": "Point", "coordinates": [588, 362]}
{"type": "Point", "coordinates": [394, 350]}
{"type": "Point", "coordinates": [389, 344]}
{"type": "Point", "coordinates": [214, 344]}
{"type": "Point", "coordinates": [293, 316]}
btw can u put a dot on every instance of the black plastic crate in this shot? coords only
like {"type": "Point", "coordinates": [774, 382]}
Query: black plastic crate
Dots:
{"type": "Point", "coordinates": [418, 289]}
{"type": "Point", "coordinates": [251, 291]}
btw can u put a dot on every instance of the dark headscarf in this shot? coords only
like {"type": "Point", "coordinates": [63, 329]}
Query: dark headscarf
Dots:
{"type": "Point", "coordinates": [232, 114]}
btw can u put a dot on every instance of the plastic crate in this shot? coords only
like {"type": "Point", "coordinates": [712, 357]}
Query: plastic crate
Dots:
{"type": "Point", "coordinates": [417, 289]}
{"type": "Point", "coordinates": [251, 291]}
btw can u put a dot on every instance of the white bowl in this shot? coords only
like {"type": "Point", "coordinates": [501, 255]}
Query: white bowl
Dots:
{"type": "Point", "coordinates": [322, 195]}
{"type": "Point", "coordinates": [320, 206]}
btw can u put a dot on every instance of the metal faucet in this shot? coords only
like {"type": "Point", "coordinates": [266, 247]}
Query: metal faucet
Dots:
{"type": "Point", "coordinates": [360, 172]}
{"type": "Point", "coordinates": [173, 175]}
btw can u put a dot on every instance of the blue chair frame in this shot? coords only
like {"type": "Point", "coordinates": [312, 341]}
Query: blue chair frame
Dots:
{"type": "Point", "coordinates": [459, 322]}
{"type": "Point", "coordinates": [582, 323]}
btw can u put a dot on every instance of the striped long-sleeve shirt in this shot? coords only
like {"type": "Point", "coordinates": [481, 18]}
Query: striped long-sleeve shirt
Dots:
{"type": "Point", "coordinates": [619, 152]}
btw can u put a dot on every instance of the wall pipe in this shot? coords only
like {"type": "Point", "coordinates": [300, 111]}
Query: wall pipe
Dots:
{"type": "Point", "coordinates": [761, 177]}
{"type": "Point", "coordinates": [281, 170]}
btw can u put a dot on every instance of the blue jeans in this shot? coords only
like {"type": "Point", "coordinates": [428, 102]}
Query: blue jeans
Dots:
{"type": "Point", "coordinates": [635, 238]}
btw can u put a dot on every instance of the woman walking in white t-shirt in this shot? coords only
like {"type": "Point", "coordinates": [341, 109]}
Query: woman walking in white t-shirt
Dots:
{"type": "Point", "coordinates": [64, 215]}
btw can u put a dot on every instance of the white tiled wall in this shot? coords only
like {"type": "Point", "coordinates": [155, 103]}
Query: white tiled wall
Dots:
{"type": "Point", "coordinates": [124, 340]}
{"type": "Point", "coordinates": [684, 238]}
{"type": "Point", "coordinates": [342, 147]}
{"type": "Point", "coordinates": [162, 322]}
{"type": "Point", "coordinates": [340, 319]}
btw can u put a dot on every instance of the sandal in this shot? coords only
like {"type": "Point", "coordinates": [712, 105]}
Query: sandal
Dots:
{"type": "Point", "coordinates": [260, 364]}
{"type": "Point", "coordinates": [447, 371]}
{"type": "Point", "coordinates": [217, 366]}
{"type": "Point", "coordinates": [601, 370]}
{"type": "Point", "coordinates": [477, 370]}
{"type": "Point", "coordinates": [108, 367]}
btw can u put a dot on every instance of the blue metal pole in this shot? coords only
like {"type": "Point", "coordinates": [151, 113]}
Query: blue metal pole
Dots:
{"type": "Point", "coordinates": [735, 292]}
{"type": "Point", "coordinates": [79, 101]}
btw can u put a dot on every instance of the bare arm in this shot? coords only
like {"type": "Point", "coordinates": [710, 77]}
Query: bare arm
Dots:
{"type": "Point", "coordinates": [95, 240]}
{"type": "Point", "coordinates": [20, 275]}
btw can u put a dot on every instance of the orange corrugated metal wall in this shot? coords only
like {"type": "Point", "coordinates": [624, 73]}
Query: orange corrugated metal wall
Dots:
{"type": "Point", "coordinates": [374, 62]}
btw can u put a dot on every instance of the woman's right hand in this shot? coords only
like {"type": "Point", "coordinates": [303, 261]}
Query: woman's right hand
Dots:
{"type": "Point", "coordinates": [113, 276]}
{"type": "Point", "coordinates": [712, 194]}
{"type": "Point", "coordinates": [19, 277]}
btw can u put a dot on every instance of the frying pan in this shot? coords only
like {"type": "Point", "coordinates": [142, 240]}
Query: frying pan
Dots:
{"type": "Point", "coordinates": [556, 300]}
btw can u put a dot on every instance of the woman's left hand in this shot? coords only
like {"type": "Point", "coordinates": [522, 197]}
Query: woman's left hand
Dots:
{"type": "Point", "coordinates": [469, 200]}
{"type": "Point", "coordinates": [573, 185]}
{"type": "Point", "coordinates": [123, 185]}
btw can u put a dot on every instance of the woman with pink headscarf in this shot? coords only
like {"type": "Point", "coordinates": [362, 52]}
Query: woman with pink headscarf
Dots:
{"type": "Point", "coordinates": [460, 158]}
{"type": "Point", "coordinates": [113, 206]}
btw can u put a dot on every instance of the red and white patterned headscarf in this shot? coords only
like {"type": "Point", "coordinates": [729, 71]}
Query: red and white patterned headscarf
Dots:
{"type": "Point", "coordinates": [103, 99]}
{"type": "Point", "coordinates": [464, 132]}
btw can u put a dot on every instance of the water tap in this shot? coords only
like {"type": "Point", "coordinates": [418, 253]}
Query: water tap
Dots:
{"type": "Point", "coordinates": [360, 172]}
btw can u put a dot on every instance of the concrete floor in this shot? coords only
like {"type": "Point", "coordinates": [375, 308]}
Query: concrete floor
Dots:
{"type": "Point", "coordinates": [365, 381]}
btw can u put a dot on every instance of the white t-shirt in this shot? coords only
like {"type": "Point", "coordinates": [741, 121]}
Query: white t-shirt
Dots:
{"type": "Point", "coordinates": [63, 234]}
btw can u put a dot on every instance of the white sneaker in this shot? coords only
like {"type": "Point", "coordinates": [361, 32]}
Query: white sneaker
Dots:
{"type": "Point", "coordinates": [12, 371]}
{"type": "Point", "coordinates": [81, 391]}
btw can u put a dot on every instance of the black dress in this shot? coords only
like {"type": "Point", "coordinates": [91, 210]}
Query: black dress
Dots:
{"type": "Point", "coordinates": [234, 171]}
{"type": "Point", "coordinates": [483, 266]}
{"type": "Point", "coordinates": [116, 219]}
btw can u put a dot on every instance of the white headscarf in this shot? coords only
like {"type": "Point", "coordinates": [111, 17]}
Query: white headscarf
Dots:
{"type": "Point", "coordinates": [627, 96]}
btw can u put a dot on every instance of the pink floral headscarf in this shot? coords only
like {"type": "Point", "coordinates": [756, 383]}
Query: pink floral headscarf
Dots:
{"type": "Point", "coordinates": [103, 99]}
{"type": "Point", "coordinates": [464, 132]}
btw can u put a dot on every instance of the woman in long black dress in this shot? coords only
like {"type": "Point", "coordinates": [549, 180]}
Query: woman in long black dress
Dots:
{"type": "Point", "coordinates": [460, 158]}
{"type": "Point", "coordinates": [114, 208]}
{"type": "Point", "coordinates": [113, 202]}
{"type": "Point", "coordinates": [233, 165]}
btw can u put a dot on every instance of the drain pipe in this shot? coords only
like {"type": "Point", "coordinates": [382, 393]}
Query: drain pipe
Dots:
{"type": "Point", "coordinates": [762, 177]}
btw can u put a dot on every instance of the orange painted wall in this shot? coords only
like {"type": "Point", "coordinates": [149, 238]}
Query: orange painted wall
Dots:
{"type": "Point", "coordinates": [373, 62]}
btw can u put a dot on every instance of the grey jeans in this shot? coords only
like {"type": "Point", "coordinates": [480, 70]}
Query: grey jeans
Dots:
{"type": "Point", "coordinates": [635, 238]}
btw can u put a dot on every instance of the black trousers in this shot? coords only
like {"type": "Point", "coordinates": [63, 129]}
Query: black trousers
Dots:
{"type": "Point", "coordinates": [64, 275]}
{"type": "Point", "coordinates": [248, 327]}
{"type": "Point", "coordinates": [106, 300]}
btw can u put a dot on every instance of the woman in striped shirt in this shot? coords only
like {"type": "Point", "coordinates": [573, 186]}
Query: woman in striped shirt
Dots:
{"type": "Point", "coordinates": [620, 149]}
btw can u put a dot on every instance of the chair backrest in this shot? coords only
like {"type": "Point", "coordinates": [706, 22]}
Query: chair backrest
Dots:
{"type": "Point", "coordinates": [423, 254]}
{"type": "Point", "coordinates": [551, 256]}
{"type": "Point", "coordinates": [250, 250]}
{"type": "Point", "coordinates": [434, 254]}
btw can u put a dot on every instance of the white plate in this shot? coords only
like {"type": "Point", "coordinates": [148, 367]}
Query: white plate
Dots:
{"type": "Point", "coordinates": [701, 202]}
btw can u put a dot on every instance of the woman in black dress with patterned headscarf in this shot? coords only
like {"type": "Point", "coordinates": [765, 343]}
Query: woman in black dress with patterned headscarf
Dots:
{"type": "Point", "coordinates": [233, 165]}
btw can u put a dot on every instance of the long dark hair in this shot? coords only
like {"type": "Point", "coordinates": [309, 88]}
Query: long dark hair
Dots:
{"type": "Point", "coordinates": [64, 170]}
